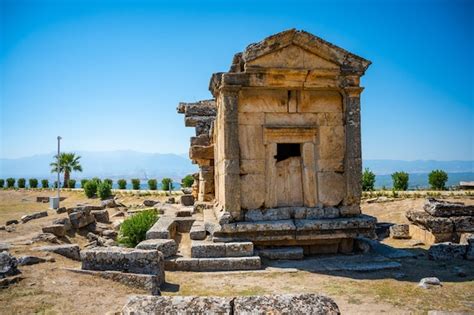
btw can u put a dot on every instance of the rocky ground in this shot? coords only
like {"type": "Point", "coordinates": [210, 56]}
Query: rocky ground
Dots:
{"type": "Point", "coordinates": [49, 288]}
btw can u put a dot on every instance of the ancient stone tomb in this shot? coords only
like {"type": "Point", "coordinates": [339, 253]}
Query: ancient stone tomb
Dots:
{"type": "Point", "coordinates": [279, 147]}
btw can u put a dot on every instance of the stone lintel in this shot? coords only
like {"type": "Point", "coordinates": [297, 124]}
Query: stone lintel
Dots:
{"type": "Point", "coordinates": [201, 152]}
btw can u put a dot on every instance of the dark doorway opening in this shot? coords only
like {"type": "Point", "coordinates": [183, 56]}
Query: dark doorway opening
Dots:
{"type": "Point", "coordinates": [287, 150]}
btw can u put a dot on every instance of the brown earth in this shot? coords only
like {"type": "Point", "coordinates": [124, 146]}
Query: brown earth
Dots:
{"type": "Point", "coordinates": [48, 288]}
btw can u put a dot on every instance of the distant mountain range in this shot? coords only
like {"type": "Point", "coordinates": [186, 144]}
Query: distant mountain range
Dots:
{"type": "Point", "coordinates": [129, 164]}
{"type": "Point", "coordinates": [112, 164]}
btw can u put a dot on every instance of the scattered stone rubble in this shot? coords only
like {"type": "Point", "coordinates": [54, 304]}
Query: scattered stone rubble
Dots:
{"type": "Point", "coordinates": [33, 216]}
{"type": "Point", "coordinates": [271, 304]}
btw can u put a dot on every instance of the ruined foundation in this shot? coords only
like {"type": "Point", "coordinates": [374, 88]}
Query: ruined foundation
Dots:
{"type": "Point", "coordinates": [279, 147]}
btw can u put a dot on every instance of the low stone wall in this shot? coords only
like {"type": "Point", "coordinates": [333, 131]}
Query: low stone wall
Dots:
{"type": "Point", "coordinates": [272, 304]}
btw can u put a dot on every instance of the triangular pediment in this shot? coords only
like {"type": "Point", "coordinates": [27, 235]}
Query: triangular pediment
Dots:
{"type": "Point", "coordinates": [307, 50]}
{"type": "Point", "coordinates": [293, 57]}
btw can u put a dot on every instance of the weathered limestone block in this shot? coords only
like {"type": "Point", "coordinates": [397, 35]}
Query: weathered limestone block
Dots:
{"type": "Point", "coordinates": [251, 119]}
{"type": "Point", "coordinates": [252, 193]}
{"type": "Point", "coordinates": [362, 222]}
{"type": "Point", "coordinates": [282, 253]}
{"type": "Point", "coordinates": [251, 142]}
{"type": "Point", "coordinates": [259, 226]}
{"type": "Point", "coordinates": [201, 249]}
{"type": "Point", "coordinates": [109, 203]}
{"type": "Point", "coordinates": [71, 251]}
{"type": "Point", "coordinates": [165, 246]}
{"type": "Point", "coordinates": [150, 203]}
{"type": "Point", "coordinates": [143, 304]}
{"type": "Point", "coordinates": [332, 188]}
{"type": "Point", "coordinates": [164, 228]}
{"type": "Point", "coordinates": [400, 231]}
{"type": "Point", "coordinates": [101, 216]}
{"type": "Point", "coordinates": [447, 251]}
{"type": "Point", "coordinates": [56, 229]}
{"type": "Point", "coordinates": [33, 216]}
{"type": "Point", "coordinates": [8, 265]}
{"type": "Point", "coordinates": [184, 213]}
{"type": "Point", "coordinates": [202, 140]}
{"type": "Point", "coordinates": [81, 217]}
{"type": "Point", "coordinates": [10, 222]}
{"type": "Point", "coordinates": [252, 167]}
{"type": "Point", "coordinates": [238, 249]}
{"type": "Point", "coordinates": [198, 231]}
{"type": "Point", "coordinates": [229, 263]}
{"type": "Point", "coordinates": [201, 152]}
{"type": "Point", "coordinates": [431, 223]}
{"type": "Point", "coordinates": [263, 101]}
{"type": "Point", "coordinates": [466, 238]}
{"type": "Point", "coordinates": [187, 200]}
{"type": "Point", "coordinates": [331, 165]}
{"type": "Point", "coordinates": [463, 224]}
{"type": "Point", "coordinates": [285, 304]}
{"type": "Point", "coordinates": [440, 208]}
{"type": "Point", "coordinates": [123, 259]}
{"type": "Point", "coordinates": [150, 283]}
{"type": "Point", "coordinates": [284, 213]}
{"type": "Point", "coordinates": [331, 142]}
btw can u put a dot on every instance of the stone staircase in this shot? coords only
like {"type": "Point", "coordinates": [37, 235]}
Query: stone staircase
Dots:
{"type": "Point", "coordinates": [186, 238]}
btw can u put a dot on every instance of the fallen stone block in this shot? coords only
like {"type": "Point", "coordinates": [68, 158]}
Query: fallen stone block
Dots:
{"type": "Point", "coordinates": [109, 234]}
{"type": "Point", "coordinates": [178, 305]}
{"type": "Point", "coordinates": [109, 203]}
{"type": "Point", "coordinates": [6, 282]}
{"type": "Point", "coordinates": [33, 216]}
{"type": "Point", "coordinates": [81, 217]}
{"type": "Point", "coordinates": [400, 231]}
{"type": "Point", "coordinates": [150, 203]}
{"type": "Point", "coordinates": [429, 282]}
{"type": "Point", "coordinates": [4, 247]}
{"type": "Point", "coordinates": [431, 223]}
{"type": "Point", "coordinates": [183, 213]}
{"type": "Point", "coordinates": [8, 265]}
{"type": "Point", "coordinates": [463, 224]}
{"type": "Point", "coordinates": [61, 210]}
{"type": "Point", "coordinates": [285, 304]}
{"type": "Point", "coordinates": [447, 251]}
{"type": "Point", "coordinates": [56, 229]}
{"type": "Point", "coordinates": [101, 216]}
{"type": "Point", "coordinates": [282, 253]}
{"type": "Point", "coordinates": [440, 208]}
{"type": "Point", "coordinates": [10, 222]}
{"type": "Point", "coordinates": [150, 283]}
{"type": "Point", "coordinates": [199, 206]}
{"type": "Point", "coordinates": [129, 260]}
{"type": "Point", "coordinates": [42, 199]}
{"type": "Point", "coordinates": [187, 200]}
{"type": "Point", "coordinates": [71, 251]}
{"type": "Point", "coordinates": [167, 247]}
{"type": "Point", "coordinates": [45, 237]}
{"type": "Point", "coordinates": [65, 222]}
{"type": "Point", "coordinates": [30, 260]}
{"type": "Point", "coordinates": [466, 238]}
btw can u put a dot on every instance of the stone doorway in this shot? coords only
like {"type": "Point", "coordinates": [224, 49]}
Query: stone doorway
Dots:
{"type": "Point", "coordinates": [289, 179]}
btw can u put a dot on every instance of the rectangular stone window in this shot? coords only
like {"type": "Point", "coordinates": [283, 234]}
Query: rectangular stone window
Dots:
{"type": "Point", "coordinates": [287, 150]}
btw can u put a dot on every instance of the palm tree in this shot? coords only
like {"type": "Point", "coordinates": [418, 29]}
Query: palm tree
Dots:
{"type": "Point", "coordinates": [68, 162]}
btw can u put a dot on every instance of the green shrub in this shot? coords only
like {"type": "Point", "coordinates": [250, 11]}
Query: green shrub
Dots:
{"type": "Point", "coordinates": [90, 188]}
{"type": "Point", "coordinates": [2, 183]}
{"type": "Point", "coordinates": [122, 184]}
{"type": "Point", "coordinates": [400, 180]}
{"type": "Point", "coordinates": [133, 230]}
{"type": "Point", "coordinates": [45, 183]}
{"type": "Point", "coordinates": [97, 180]}
{"type": "Point", "coordinates": [368, 180]}
{"type": "Point", "coordinates": [33, 183]}
{"type": "Point", "coordinates": [135, 183]}
{"type": "Point", "coordinates": [71, 183]}
{"type": "Point", "coordinates": [167, 184]}
{"type": "Point", "coordinates": [83, 182]}
{"type": "Point", "coordinates": [438, 179]}
{"type": "Point", "coordinates": [109, 181]}
{"type": "Point", "coordinates": [152, 184]}
{"type": "Point", "coordinates": [104, 190]}
{"type": "Point", "coordinates": [10, 182]}
{"type": "Point", "coordinates": [21, 183]}
{"type": "Point", "coordinates": [187, 181]}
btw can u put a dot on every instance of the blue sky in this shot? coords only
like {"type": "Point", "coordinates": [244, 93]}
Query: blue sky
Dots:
{"type": "Point", "coordinates": [107, 75]}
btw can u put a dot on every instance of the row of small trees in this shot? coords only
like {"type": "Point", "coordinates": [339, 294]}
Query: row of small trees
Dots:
{"type": "Point", "coordinates": [437, 180]}
{"type": "Point", "coordinates": [166, 183]}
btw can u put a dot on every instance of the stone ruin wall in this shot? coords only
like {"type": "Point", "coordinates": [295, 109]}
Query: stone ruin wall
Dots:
{"type": "Point", "coordinates": [201, 116]}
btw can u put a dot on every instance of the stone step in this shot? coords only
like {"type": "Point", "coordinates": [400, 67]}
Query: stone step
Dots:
{"type": "Point", "coordinates": [167, 247]}
{"type": "Point", "coordinates": [213, 264]}
{"type": "Point", "coordinates": [164, 228]}
{"type": "Point", "coordinates": [198, 231]}
{"type": "Point", "coordinates": [205, 249]}
{"type": "Point", "coordinates": [281, 253]}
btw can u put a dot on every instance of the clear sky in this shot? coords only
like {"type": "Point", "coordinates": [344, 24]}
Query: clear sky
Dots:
{"type": "Point", "coordinates": [107, 75]}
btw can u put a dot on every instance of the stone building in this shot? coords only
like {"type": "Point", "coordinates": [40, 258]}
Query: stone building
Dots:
{"type": "Point", "coordinates": [282, 142]}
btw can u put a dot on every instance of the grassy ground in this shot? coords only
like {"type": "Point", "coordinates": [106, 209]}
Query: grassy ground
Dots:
{"type": "Point", "coordinates": [48, 288]}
